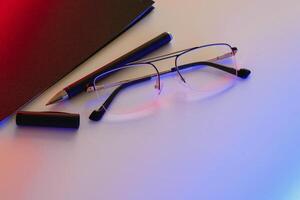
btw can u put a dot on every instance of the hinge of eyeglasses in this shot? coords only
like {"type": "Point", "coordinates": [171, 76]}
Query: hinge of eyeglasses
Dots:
{"type": "Point", "coordinates": [106, 86]}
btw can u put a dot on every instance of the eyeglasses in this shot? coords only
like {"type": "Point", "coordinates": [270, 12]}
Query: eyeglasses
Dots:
{"type": "Point", "coordinates": [203, 69]}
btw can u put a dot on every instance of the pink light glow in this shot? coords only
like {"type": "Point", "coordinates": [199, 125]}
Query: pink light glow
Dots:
{"type": "Point", "coordinates": [19, 163]}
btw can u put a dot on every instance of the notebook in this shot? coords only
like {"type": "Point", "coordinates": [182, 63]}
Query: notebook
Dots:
{"type": "Point", "coordinates": [42, 41]}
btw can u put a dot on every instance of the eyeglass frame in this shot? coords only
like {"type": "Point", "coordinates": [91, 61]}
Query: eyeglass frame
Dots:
{"type": "Point", "coordinates": [96, 115]}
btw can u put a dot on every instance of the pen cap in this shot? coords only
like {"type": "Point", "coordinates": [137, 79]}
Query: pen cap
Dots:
{"type": "Point", "coordinates": [149, 47]}
{"type": "Point", "coordinates": [48, 119]}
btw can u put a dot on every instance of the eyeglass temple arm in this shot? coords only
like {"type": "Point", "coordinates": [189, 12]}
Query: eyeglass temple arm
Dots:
{"type": "Point", "coordinates": [97, 115]}
{"type": "Point", "coordinates": [110, 85]}
{"type": "Point", "coordinates": [226, 55]}
{"type": "Point", "coordinates": [242, 73]}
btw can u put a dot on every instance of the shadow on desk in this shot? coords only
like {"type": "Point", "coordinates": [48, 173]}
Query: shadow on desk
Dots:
{"type": "Point", "coordinates": [57, 134]}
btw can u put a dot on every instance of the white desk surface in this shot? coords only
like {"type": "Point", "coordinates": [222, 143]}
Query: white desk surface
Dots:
{"type": "Point", "coordinates": [242, 144]}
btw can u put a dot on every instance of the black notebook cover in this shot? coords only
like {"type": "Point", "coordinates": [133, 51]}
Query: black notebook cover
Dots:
{"type": "Point", "coordinates": [42, 41]}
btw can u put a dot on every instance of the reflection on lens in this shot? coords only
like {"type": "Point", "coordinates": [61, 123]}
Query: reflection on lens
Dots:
{"type": "Point", "coordinates": [205, 78]}
{"type": "Point", "coordinates": [134, 95]}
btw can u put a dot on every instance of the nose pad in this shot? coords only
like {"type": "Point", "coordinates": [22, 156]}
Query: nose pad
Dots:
{"type": "Point", "coordinates": [181, 82]}
{"type": "Point", "coordinates": [181, 77]}
{"type": "Point", "coordinates": [158, 86]}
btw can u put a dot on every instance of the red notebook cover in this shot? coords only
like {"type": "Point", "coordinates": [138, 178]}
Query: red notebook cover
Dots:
{"type": "Point", "coordinates": [42, 41]}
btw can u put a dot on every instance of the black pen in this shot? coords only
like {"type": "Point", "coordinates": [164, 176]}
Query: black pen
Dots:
{"type": "Point", "coordinates": [134, 55]}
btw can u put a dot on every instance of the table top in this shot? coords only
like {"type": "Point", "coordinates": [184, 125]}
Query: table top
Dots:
{"type": "Point", "coordinates": [241, 144]}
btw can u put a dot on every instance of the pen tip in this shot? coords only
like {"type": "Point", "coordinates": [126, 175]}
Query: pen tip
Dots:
{"type": "Point", "coordinates": [60, 96]}
{"type": "Point", "coordinates": [49, 103]}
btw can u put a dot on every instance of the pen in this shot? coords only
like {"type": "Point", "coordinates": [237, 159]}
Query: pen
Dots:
{"type": "Point", "coordinates": [136, 54]}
